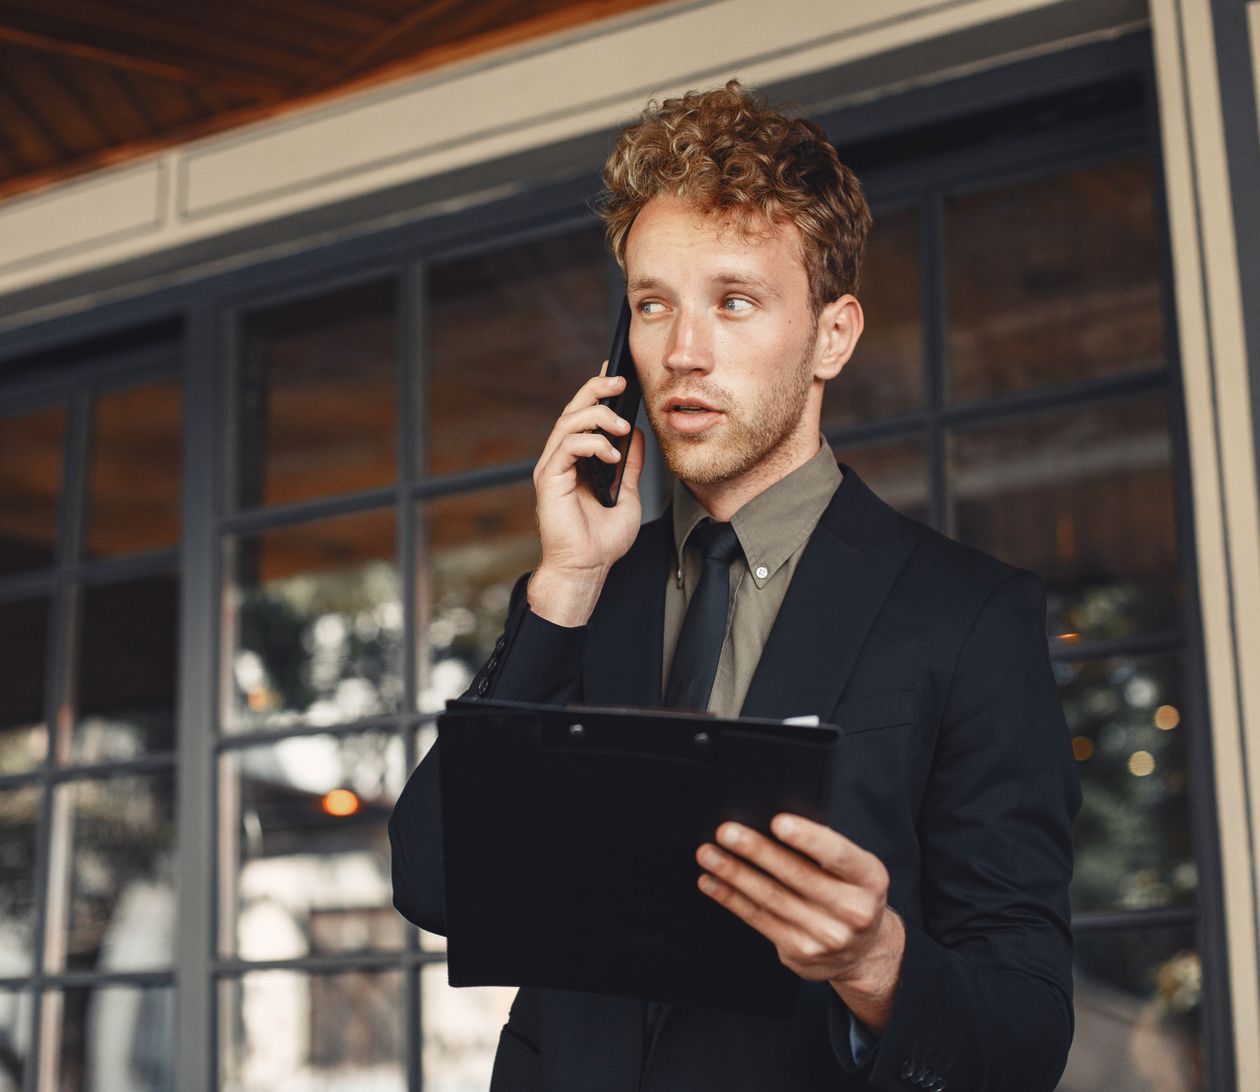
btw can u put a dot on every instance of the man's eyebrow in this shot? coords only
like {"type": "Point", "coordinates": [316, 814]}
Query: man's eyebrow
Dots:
{"type": "Point", "coordinates": [727, 278]}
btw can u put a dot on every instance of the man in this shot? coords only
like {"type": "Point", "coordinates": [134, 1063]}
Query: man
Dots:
{"type": "Point", "coordinates": [928, 918]}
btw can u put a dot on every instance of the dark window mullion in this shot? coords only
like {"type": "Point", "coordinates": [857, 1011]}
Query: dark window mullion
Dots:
{"type": "Point", "coordinates": [1143, 644]}
{"type": "Point", "coordinates": [935, 356]}
{"type": "Point", "coordinates": [412, 398]}
{"type": "Point", "coordinates": [1164, 917]}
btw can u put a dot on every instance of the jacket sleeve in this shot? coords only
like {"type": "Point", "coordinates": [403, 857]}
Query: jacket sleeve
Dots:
{"type": "Point", "coordinates": [533, 660]}
{"type": "Point", "coordinates": [985, 997]}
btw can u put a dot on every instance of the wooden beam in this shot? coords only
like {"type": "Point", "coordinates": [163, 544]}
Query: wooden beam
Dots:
{"type": "Point", "coordinates": [46, 43]}
{"type": "Point", "coordinates": [422, 13]}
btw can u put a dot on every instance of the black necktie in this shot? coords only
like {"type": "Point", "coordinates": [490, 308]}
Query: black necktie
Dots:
{"type": "Point", "coordinates": [700, 639]}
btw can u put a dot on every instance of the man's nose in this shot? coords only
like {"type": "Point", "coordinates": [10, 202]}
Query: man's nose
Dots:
{"type": "Point", "coordinates": [689, 348]}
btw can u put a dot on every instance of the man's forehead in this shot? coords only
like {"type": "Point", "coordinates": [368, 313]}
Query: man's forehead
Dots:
{"type": "Point", "coordinates": [745, 240]}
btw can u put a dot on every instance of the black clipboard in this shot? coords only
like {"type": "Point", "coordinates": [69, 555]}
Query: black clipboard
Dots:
{"type": "Point", "coordinates": [569, 839]}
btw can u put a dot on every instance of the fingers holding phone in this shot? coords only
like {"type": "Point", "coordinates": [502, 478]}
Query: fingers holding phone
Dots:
{"type": "Point", "coordinates": [581, 538]}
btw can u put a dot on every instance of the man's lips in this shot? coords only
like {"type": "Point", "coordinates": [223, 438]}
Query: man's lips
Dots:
{"type": "Point", "coordinates": [691, 415]}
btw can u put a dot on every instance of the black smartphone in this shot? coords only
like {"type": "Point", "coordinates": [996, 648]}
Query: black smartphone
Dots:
{"type": "Point", "coordinates": [605, 478]}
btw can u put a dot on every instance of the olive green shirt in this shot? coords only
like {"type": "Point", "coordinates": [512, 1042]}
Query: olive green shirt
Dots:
{"type": "Point", "coordinates": [772, 529]}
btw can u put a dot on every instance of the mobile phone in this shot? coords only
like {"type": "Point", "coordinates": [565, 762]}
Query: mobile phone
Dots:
{"type": "Point", "coordinates": [605, 478]}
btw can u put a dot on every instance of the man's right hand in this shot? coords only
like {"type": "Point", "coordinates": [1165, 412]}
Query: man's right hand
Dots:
{"type": "Point", "coordinates": [581, 539]}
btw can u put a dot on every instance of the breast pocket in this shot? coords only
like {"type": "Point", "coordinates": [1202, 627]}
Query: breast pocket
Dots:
{"type": "Point", "coordinates": [868, 714]}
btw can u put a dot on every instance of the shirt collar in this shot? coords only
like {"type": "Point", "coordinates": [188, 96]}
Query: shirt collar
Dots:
{"type": "Point", "coordinates": [773, 525]}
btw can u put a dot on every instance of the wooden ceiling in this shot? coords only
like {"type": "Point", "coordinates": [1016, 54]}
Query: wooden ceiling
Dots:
{"type": "Point", "coordinates": [86, 83]}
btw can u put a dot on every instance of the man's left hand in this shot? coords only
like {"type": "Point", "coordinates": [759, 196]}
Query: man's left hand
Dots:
{"type": "Point", "coordinates": [820, 899]}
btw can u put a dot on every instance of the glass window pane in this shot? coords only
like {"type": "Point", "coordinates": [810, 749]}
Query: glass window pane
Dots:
{"type": "Point", "coordinates": [15, 1038]}
{"type": "Point", "coordinates": [282, 1030]}
{"type": "Point", "coordinates": [1128, 725]}
{"type": "Point", "coordinates": [318, 624]}
{"type": "Point", "coordinates": [23, 730]}
{"type": "Point", "coordinates": [513, 334]}
{"type": "Point", "coordinates": [31, 460]}
{"type": "Point", "coordinates": [460, 1030]}
{"type": "Point", "coordinates": [120, 912]}
{"type": "Point", "coordinates": [19, 829]}
{"type": "Point", "coordinates": [895, 469]}
{"type": "Point", "coordinates": [127, 670]}
{"type": "Point", "coordinates": [1084, 497]}
{"type": "Point", "coordinates": [136, 460]}
{"type": "Point", "coordinates": [885, 374]}
{"type": "Point", "coordinates": [1053, 281]}
{"type": "Point", "coordinates": [1138, 1000]}
{"type": "Point", "coordinates": [112, 1037]}
{"type": "Point", "coordinates": [318, 397]}
{"type": "Point", "coordinates": [478, 545]}
{"type": "Point", "coordinates": [312, 845]}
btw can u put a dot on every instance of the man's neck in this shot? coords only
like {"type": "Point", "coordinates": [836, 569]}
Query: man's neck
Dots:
{"type": "Point", "coordinates": [723, 499]}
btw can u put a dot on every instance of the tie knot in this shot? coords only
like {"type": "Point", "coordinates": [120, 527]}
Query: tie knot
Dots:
{"type": "Point", "coordinates": [717, 541]}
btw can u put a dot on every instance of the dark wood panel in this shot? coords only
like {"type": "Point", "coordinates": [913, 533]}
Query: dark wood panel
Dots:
{"type": "Point", "coordinates": [87, 83]}
{"type": "Point", "coordinates": [100, 84]}
{"type": "Point", "coordinates": [218, 57]}
{"type": "Point", "coordinates": [58, 110]}
{"type": "Point", "coordinates": [36, 144]}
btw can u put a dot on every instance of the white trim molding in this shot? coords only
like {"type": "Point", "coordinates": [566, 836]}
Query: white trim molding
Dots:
{"type": "Point", "coordinates": [1223, 471]}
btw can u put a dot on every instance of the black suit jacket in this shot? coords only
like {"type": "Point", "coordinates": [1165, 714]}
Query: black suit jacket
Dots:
{"type": "Point", "coordinates": [955, 770]}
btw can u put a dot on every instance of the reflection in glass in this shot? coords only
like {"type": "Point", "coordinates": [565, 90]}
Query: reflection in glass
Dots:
{"type": "Point", "coordinates": [113, 1037]}
{"type": "Point", "coordinates": [895, 469]}
{"type": "Point", "coordinates": [318, 633]}
{"type": "Point", "coordinates": [15, 1038]}
{"type": "Point", "coordinates": [23, 730]}
{"type": "Point", "coordinates": [313, 849]}
{"type": "Point", "coordinates": [1129, 725]}
{"type": "Point", "coordinates": [281, 1029]}
{"type": "Point", "coordinates": [318, 397]}
{"type": "Point", "coordinates": [127, 669]}
{"type": "Point", "coordinates": [1138, 1000]}
{"type": "Point", "coordinates": [513, 335]}
{"type": "Point", "coordinates": [1054, 281]}
{"type": "Point", "coordinates": [133, 492]}
{"type": "Point", "coordinates": [1084, 498]}
{"type": "Point", "coordinates": [461, 1031]}
{"type": "Point", "coordinates": [885, 374]}
{"type": "Point", "coordinates": [121, 912]}
{"type": "Point", "coordinates": [31, 453]}
{"type": "Point", "coordinates": [19, 826]}
{"type": "Point", "coordinates": [479, 544]}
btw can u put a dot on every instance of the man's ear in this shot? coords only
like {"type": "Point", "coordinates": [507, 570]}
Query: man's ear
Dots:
{"type": "Point", "coordinates": [839, 327]}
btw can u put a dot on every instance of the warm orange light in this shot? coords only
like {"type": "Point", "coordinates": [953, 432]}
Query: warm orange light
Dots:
{"type": "Point", "coordinates": [1167, 717]}
{"type": "Point", "coordinates": [1082, 748]}
{"type": "Point", "coordinates": [1141, 763]}
{"type": "Point", "coordinates": [1069, 637]}
{"type": "Point", "coordinates": [340, 802]}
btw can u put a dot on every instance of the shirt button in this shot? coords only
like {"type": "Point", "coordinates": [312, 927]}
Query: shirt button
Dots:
{"type": "Point", "coordinates": [761, 572]}
{"type": "Point", "coordinates": [483, 684]}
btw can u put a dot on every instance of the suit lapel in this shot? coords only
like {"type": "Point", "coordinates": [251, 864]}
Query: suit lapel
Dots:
{"type": "Point", "coordinates": [624, 644]}
{"type": "Point", "coordinates": [840, 584]}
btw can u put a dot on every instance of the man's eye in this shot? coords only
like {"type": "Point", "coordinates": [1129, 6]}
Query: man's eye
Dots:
{"type": "Point", "coordinates": [649, 307]}
{"type": "Point", "coordinates": [737, 303]}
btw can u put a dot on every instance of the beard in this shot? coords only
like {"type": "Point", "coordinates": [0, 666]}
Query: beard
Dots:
{"type": "Point", "coordinates": [749, 434]}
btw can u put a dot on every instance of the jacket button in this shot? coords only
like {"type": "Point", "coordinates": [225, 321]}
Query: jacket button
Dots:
{"type": "Point", "coordinates": [938, 1085]}
{"type": "Point", "coordinates": [483, 684]}
{"type": "Point", "coordinates": [907, 1069]}
{"type": "Point", "coordinates": [500, 644]}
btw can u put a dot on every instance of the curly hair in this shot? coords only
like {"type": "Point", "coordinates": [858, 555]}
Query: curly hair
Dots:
{"type": "Point", "coordinates": [730, 152]}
